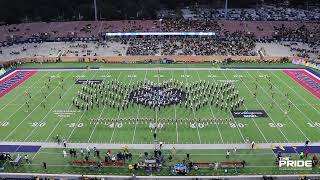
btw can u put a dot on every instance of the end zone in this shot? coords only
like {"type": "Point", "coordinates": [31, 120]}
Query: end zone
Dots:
{"type": "Point", "coordinates": [13, 80]}
{"type": "Point", "coordinates": [306, 80]}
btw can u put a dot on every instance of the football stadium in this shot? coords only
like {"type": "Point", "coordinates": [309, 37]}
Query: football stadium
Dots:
{"type": "Point", "coordinates": [220, 90]}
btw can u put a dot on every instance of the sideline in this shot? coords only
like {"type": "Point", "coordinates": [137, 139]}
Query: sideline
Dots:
{"type": "Point", "coordinates": [151, 146]}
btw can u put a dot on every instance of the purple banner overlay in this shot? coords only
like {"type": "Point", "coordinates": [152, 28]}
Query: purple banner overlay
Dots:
{"type": "Point", "coordinates": [296, 149]}
{"type": "Point", "coordinates": [17, 148]}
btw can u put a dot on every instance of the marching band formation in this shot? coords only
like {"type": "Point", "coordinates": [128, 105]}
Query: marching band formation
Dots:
{"type": "Point", "coordinates": [155, 96]}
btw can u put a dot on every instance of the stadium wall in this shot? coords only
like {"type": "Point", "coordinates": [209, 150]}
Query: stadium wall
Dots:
{"type": "Point", "coordinates": [135, 59]}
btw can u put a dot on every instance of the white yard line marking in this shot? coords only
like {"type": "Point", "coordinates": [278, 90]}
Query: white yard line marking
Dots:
{"type": "Point", "coordinates": [16, 97]}
{"type": "Point", "coordinates": [62, 117]}
{"type": "Point", "coordinates": [9, 118]}
{"type": "Point", "coordinates": [281, 109]}
{"type": "Point", "coordinates": [175, 115]}
{"type": "Point", "coordinates": [138, 113]}
{"type": "Point", "coordinates": [212, 112]}
{"type": "Point", "coordinates": [115, 127]}
{"type": "Point", "coordinates": [104, 106]}
{"type": "Point", "coordinates": [28, 114]}
{"type": "Point", "coordinates": [310, 121]}
{"type": "Point", "coordinates": [301, 97]}
{"type": "Point", "coordinates": [255, 121]}
{"type": "Point", "coordinates": [158, 77]}
{"type": "Point", "coordinates": [74, 128]}
{"type": "Point", "coordinates": [194, 114]}
{"type": "Point", "coordinates": [265, 111]}
{"type": "Point", "coordinates": [44, 118]}
{"type": "Point", "coordinates": [233, 117]}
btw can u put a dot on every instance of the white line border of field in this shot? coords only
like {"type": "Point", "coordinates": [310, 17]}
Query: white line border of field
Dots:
{"type": "Point", "coordinates": [164, 69]}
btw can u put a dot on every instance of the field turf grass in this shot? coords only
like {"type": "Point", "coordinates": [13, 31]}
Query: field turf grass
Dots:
{"type": "Point", "coordinates": [18, 123]}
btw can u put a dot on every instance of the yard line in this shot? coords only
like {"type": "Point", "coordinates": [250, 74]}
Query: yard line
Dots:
{"type": "Point", "coordinates": [104, 106]}
{"type": "Point", "coordinates": [36, 82]}
{"type": "Point", "coordinates": [282, 110]}
{"type": "Point", "coordinates": [63, 117]}
{"type": "Point", "coordinates": [213, 114]}
{"type": "Point", "coordinates": [9, 118]}
{"type": "Point", "coordinates": [296, 106]}
{"type": "Point", "coordinates": [44, 118]}
{"type": "Point", "coordinates": [264, 109]}
{"type": "Point", "coordinates": [135, 126]}
{"type": "Point", "coordinates": [310, 121]}
{"type": "Point", "coordinates": [157, 108]}
{"type": "Point", "coordinates": [301, 97]}
{"type": "Point", "coordinates": [252, 120]}
{"type": "Point", "coordinates": [28, 115]}
{"type": "Point", "coordinates": [74, 128]}
{"type": "Point", "coordinates": [194, 114]}
{"type": "Point", "coordinates": [114, 129]}
{"type": "Point", "coordinates": [232, 115]}
{"type": "Point", "coordinates": [175, 115]}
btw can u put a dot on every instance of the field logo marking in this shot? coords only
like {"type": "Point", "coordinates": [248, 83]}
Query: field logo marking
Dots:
{"type": "Point", "coordinates": [307, 81]}
{"type": "Point", "coordinates": [295, 164]}
{"type": "Point", "coordinates": [14, 80]}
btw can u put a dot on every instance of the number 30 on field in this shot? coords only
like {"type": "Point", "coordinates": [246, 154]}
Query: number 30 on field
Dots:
{"type": "Point", "coordinates": [276, 125]}
{"type": "Point", "coordinates": [4, 124]}
{"type": "Point", "coordinates": [314, 124]}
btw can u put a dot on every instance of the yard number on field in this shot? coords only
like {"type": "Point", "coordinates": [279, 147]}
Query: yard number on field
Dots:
{"type": "Point", "coordinates": [38, 124]}
{"type": "Point", "coordinates": [197, 125]}
{"type": "Point", "coordinates": [185, 76]}
{"type": "Point", "coordinates": [314, 125]}
{"type": "Point", "coordinates": [276, 125]}
{"type": "Point", "coordinates": [73, 125]}
{"type": "Point", "coordinates": [239, 125]}
{"type": "Point", "coordinates": [115, 125]}
{"type": "Point", "coordinates": [4, 124]}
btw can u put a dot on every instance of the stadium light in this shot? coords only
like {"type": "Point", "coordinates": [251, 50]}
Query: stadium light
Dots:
{"type": "Point", "coordinates": [226, 9]}
{"type": "Point", "coordinates": [95, 10]}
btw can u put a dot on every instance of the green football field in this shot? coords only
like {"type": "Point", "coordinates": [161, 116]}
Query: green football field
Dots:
{"type": "Point", "coordinates": [296, 123]}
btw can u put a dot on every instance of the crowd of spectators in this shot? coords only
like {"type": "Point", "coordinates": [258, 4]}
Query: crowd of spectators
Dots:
{"type": "Point", "coordinates": [143, 46]}
{"type": "Point", "coordinates": [190, 25]}
{"type": "Point", "coordinates": [236, 43]}
{"type": "Point", "coordinates": [264, 13]}
{"type": "Point", "coordinates": [231, 37]}
{"type": "Point", "coordinates": [95, 30]}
